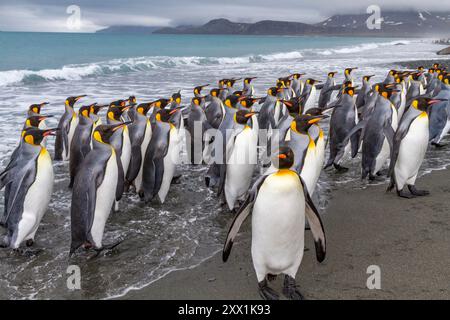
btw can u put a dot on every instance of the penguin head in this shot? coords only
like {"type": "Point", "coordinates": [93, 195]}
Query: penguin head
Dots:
{"type": "Point", "coordinates": [302, 122]}
{"type": "Point", "coordinates": [284, 158]}
{"type": "Point", "coordinates": [70, 101]}
{"type": "Point", "coordinates": [222, 83]}
{"type": "Point", "coordinates": [420, 68]}
{"type": "Point", "coordinates": [176, 97]}
{"type": "Point", "coordinates": [423, 103]}
{"type": "Point", "coordinates": [215, 92]}
{"type": "Point", "coordinates": [283, 82]}
{"type": "Point", "coordinates": [143, 108]}
{"type": "Point", "coordinates": [242, 116]}
{"type": "Point", "coordinates": [297, 76]}
{"type": "Point", "coordinates": [294, 105]}
{"type": "Point", "coordinates": [230, 82]}
{"type": "Point", "coordinates": [231, 101]}
{"type": "Point", "coordinates": [238, 93]}
{"type": "Point", "coordinates": [332, 74]}
{"type": "Point", "coordinates": [161, 103]}
{"type": "Point", "coordinates": [164, 115]}
{"type": "Point", "coordinates": [436, 65]}
{"type": "Point", "coordinates": [393, 72]}
{"type": "Point", "coordinates": [274, 91]}
{"type": "Point", "coordinates": [118, 103]}
{"type": "Point", "coordinates": [104, 132]}
{"type": "Point", "coordinates": [348, 71]}
{"type": "Point", "coordinates": [34, 136]}
{"type": "Point", "coordinates": [387, 91]}
{"type": "Point", "coordinates": [198, 90]}
{"type": "Point", "coordinates": [311, 81]}
{"type": "Point", "coordinates": [446, 79]}
{"type": "Point", "coordinates": [431, 70]}
{"type": "Point", "coordinates": [114, 113]}
{"type": "Point", "coordinates": [198, 101]}
{"type": "Point", "coordinates": [95, 108]}
{"type": "Point", "coordinates": [316, 112]}
{"type": "Point", "coordinates": [132, 100]}
{"type": "Point", "coordinates": [35, 121]}
{"type": "Point", "coordinates": [416, 75]}
{"type": "Point", "coordinates": [248, 102]}
{"type": "Point", "coordinates": [84, 111]}
{"type": "Point", "coordinates": [249, 80]}
{"type": "Point", "coordinates": [367, 78]}
{"type": "Point", "coordinates": [36, 108]}
{"type": "Point", "coordinates": [349, 90]}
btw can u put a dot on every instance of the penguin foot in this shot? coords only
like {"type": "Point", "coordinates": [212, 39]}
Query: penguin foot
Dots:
{"type": "Point", "coordinates": [271, 277]}
{"type": "Point", "coordinates": [376, 178]}
{"type": "Point", "coordinates": [176, 179]}
{"type": "Point", "coordinates": [207, 181]}
{"type": "Point", "coordinates": [339, 168]}
{"type": "Point", "coordinates": [290, 289]}
{"type": "Point", "coordinates": [438, 145]}
{"type": "Point", "coordinates": [266, 292]}
{"type": "Point", "coordinates": [28, 252]}
{"type": "Point", "coordinates": [29, 242]}
{"type": "Point", "coordinates": [403, 194]}
{"type": "Point", "coordinates": [383, 172]}
{"type": "Point", "coordinates": [417, 192]}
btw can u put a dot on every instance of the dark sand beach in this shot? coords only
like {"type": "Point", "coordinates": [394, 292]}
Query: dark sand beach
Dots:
{"type": "Point", "coordinates": [408, 239]}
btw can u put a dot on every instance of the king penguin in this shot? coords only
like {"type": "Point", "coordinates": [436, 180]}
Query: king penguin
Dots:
{"type": "Point", "coordinates": [297, 84]}
{"type": "Point", "coordinates": [249, 90]}
{"type": "Point", "coordinates": [309, 94]}
{"type": "Point", "coordinates": [278, 239]}
{"type": "Point", "coordinates": [327, 91]}
{"type": "Point", "coordinates": [28, 181]}
{"type": "Point", "coordinates": [81, 144]}
{"type": "Point", "coordinates": [198, 90]}
{"type": "Point", "coordinates": [161, 158]}
{"type": "Point", "coordinates": [409, 147]}
{"type": "Point", "coordinates": [197, 125]}
{"type": "Point", "coordinates": [67, 125]}
{"type": "Point", "coordinates": [94, 191]}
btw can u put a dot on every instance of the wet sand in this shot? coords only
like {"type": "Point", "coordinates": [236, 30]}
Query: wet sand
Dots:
{"type": "Point", "coordinates": [408, 239]}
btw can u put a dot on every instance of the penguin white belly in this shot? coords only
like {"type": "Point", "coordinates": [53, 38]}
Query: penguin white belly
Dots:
{"type": "Point", "coordinates": [144, 145]}
{"type": "Point", "coordinates": [412, 152]}
{"type": "Point", "coordinates": [277, 113]}
{"type": "Point", "coordinates": [385, 151]}
{"type": "Point", "coordinates": [240, 166]}
{"type": "Point", "coordinates": [445, 130]}
{"type": "Point", "coordinates": [401, 109]}
{"type": "Point", "coordinates": [320, 158]}
{"type": "Point", "coordinates": [309, 170]}
{"type": "Point", "coordinates": [311, 100]}
{"type": "Point", "coordinates": [278, 224]}
{"type": "Point", "coordinates": [73, 126]}
{"type": "Point", "coordinates": [126, 150]}
{"type": "Point", "coordinates": [43, 126]}
{"type": "Point", "coordinates": [104, 201]}
{"type": "Point", "coordinates": [173, 154]}
{"type": "Point", "coordinates": [36, 200]}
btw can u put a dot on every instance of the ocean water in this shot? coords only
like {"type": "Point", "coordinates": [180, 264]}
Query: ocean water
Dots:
{"type": "Point", "coordinates": [191, 225]}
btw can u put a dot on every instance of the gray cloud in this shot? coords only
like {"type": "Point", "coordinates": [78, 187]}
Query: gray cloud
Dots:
{"type": "Point", "coordinates": [51, 15]}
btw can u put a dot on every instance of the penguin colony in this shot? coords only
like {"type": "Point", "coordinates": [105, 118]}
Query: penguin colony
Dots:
{"type": "Point", "coordinates": [134, 149]}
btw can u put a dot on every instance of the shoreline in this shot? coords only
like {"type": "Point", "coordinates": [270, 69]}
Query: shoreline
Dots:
{"type": "Point", "coordinates": [407, 239]}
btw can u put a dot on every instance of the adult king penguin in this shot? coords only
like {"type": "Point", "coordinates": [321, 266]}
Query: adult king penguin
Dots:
{"type": "Point", "coordinates": [327, 90]}
{"type": "Point", "coordinates": [248, 90]}
{"type": "Point", "coordinates": [197, 124]}
{"type": "Point", "coordinates": [309, 94]}
{"type": "Point", "coordinates": [67, 125]}
{"type": "Point", "coordinates": [278, 239]}
{"type": "Point", "coordinates": [409, 147]}
{"type": "Point", "coordinates": [94, 191]}
{"type": "Point", "coordinates": [28, 182]}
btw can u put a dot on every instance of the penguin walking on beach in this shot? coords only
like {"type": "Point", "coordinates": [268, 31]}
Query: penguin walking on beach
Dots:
{"type": "Point", "coordinates": [197, 125]}
{"type": "Point", "coordinates": [140, 132]}
{"type": "Point", "coordinates": [241, 159]}
{"type": "Point", "coordinates": [278, 240]}
{"type": "Point", "coordinates": [94, 191]}
{"type": "Point", "coordinates": [415, 88]}
{"type": "Point", "coordinates": [28, 181]}
{"type": "Point", "coordinates": [327, 90]}
{"type": "Point", "coordinates": [120, 141]}
{"type": "Point", "coordinates": [81, 144]}
{"type": "Point", "coordinates": [439, 115]}
{"type": "Point", "coordinates": [215, 109]}
{"type": "Point", "coordinates": [409, 147]}
{"type": "Point", "coordinates": [161, 157]}
{"type": "Point", "coordinates": [297, 84]}
{"type": "Point", "coordinates": [67, 125]}
{"type": "Point", "coordinates": [248, 89]}
{"type": "Point", "coordinates": [343, 119]}
{"type": "Point", "coordinates": [363, 94]}
{"type": "Point", "coordinates": [35, 110]}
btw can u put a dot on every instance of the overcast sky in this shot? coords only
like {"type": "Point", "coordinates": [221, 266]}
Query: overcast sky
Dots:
{"type": "Point", "coordinates": [51, 15]}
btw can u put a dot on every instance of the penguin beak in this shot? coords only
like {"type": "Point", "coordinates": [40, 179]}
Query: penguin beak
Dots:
{"type": "Point", "coordinates": [250, 114]}
{"type": "Point", "coordinates": [434, 101]}
{"type": "Point", "coordinates": [120, 125]}
{"type": "Point", "coordinates": [204, 86]}
{"type": "Point", "coordinates": [173, 111]}
{"type": "Point", "coordinates": [287, 103]}
{"type": "Point", "coordinates": [280, 90]}
{"type": "Point", "coordinates": [317, 119]}
{"type": "Point", "coordinates": [44, 103]}
{"type": "Point", "coordinates": [79, 97]}
{"type": "Point", "coordinates": [50, 132]}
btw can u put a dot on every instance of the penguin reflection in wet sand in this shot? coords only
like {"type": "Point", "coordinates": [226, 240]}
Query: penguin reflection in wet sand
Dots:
{"type": "Point", "coordinates": [94, 191]}
{"type": "Point", "coordinates": [279, 203]}
{"type": "Point", "coordinates": [160, 158]}
{"type": "Point", "coordinates": [28, 182]}
{"type": "Point", "coordinates": [409, 147]}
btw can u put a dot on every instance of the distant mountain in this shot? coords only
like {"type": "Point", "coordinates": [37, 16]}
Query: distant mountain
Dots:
{"type": "Point", "coordinates": [128, 29]}
{"type": "Point", "coordinates": [396, 24]}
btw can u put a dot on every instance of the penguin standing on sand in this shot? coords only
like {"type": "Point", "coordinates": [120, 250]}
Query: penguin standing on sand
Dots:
{"type": "Point", "coordinates": [327, 90]}
{"type": "Point", "coordinates": [120, 141]}
{"type": "Point", "coordinates": [278, 239]}
{"type": "Point", "coordinates": [248, 90]}
{"type": "Point", "coordinates": [343, 119]}
{"type": "Point", "coordinates": [161, 157]}
{"type": "Point", "coordinates": [439, 115]}
{"type": "Point", "coordinates": [67, 125]}
{"type": "Point", "coordinates": [94, 191]}
{"type": "Point", "coordinates": [215, 110]}
{"type": "Point", "coordinates": [409, 147]}
{"type": "Point", "coordinates": [81, 144]}
{"type": "Point", "coordinates": [28, 182]}
{"type": "Point", "coordinates": [241, 159]}
{"type": "Point", "coordinates": [140, 132]}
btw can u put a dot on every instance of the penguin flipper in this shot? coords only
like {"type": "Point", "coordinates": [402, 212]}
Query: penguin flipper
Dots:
{"type": "Point", "coordinates": [135, 163]}
{"type": "Point", "coordinates": [241, 215]}
{"type": "Point", "coordinates": [120, 179]}
{"type": "Point", "coordinates": [315, 224]}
